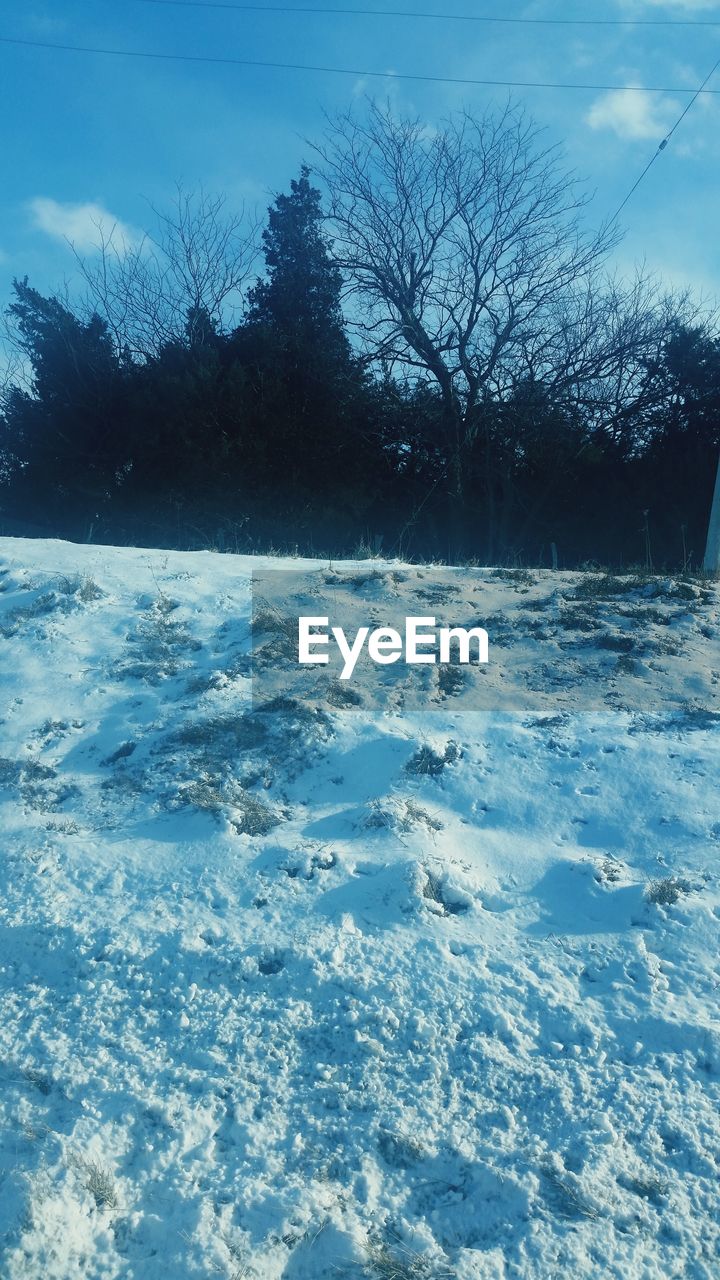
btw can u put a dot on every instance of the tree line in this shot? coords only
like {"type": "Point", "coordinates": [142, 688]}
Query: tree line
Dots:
{"type": "Point", "coordinates": [433, 361]}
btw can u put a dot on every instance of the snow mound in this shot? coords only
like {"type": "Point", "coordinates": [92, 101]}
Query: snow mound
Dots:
{"type": "Point", "coordinates": [280, 1000]}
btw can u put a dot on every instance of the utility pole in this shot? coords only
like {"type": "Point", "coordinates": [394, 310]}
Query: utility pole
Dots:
{"type": "Point", "coordinates": [711, 563]}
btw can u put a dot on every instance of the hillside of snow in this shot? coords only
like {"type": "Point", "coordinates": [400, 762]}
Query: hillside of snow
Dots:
{"type": "Point", "coordinates": [317, 992]}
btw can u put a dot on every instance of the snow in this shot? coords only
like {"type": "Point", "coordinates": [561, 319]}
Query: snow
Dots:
{"type": "Point", "coordinates": [275, 1004]}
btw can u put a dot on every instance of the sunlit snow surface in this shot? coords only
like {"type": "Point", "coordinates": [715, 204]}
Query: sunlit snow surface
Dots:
{"type": "Point", "coordinates": [323, 993]}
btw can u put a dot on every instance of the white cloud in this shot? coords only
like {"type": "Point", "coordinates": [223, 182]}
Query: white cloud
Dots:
{"type": "Point", "coordinates": [633, 114]}
{"type": "Point", "coordinates": [83, 225]}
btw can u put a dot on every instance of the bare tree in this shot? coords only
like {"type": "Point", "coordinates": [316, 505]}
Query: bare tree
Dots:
{"type": "Point", "coordinates": [468, 260]}
{"type": "Point", "coordinates": [598, 365]}
{"type": "Point", "coordinates": [194, 264]}
{"type": "Point", "coordinates": [602, 354]}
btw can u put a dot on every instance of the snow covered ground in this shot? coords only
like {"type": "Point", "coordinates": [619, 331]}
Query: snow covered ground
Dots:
{"type": "Point", "coordinates": [332, 993]}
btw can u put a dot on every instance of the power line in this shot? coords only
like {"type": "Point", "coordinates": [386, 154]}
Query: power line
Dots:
{"type": "Point", "coordinates": [350, 71]}
{"type": "Point", "coordinates": [442, 17]}
{"type": "Point", "coordinates": [667, 138]}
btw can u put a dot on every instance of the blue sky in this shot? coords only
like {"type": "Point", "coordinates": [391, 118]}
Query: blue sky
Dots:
{"type": "Point", "coordinates": [84, 134]}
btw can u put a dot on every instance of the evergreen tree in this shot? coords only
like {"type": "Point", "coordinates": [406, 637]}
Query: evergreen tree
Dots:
{"type": "Point", "coordinates": [63, 435]}
{"type": "Point", "coordinates": [677, 466]}
{"type": "Point", "coordinates": [310, 388]}
{"type": "Point", "coordinates": [299, 302]}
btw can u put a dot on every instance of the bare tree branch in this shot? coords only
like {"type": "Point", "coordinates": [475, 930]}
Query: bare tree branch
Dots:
{"type": "Point", "coordinates": [197, 260]}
